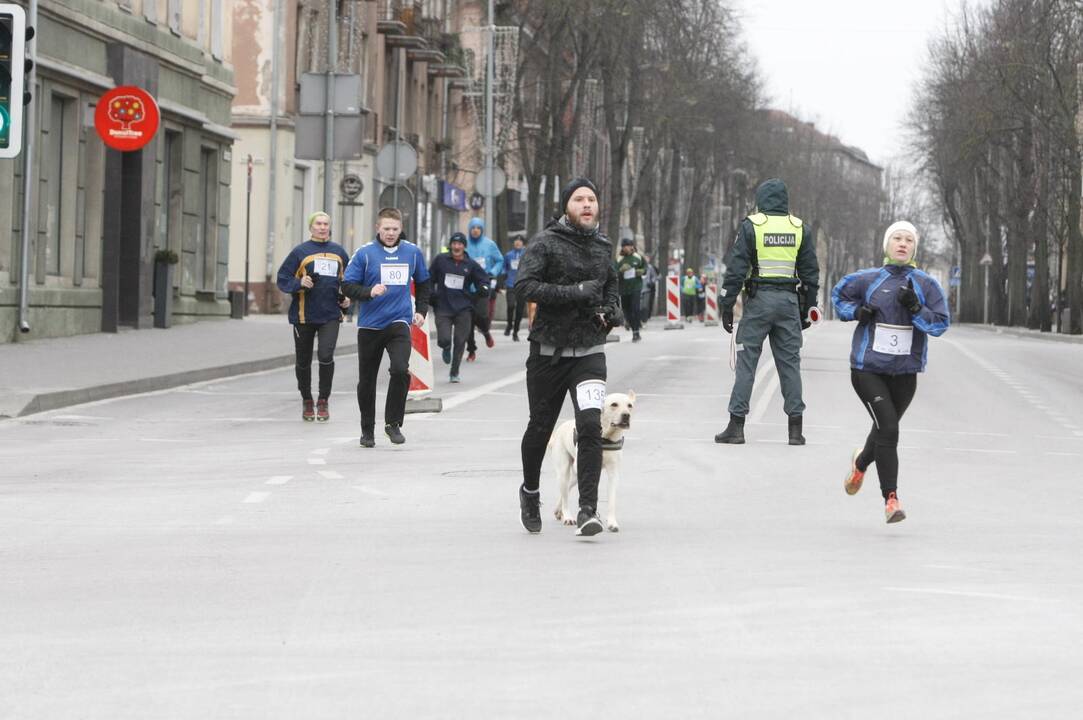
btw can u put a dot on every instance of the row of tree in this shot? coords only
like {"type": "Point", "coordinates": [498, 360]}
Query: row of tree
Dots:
{"type": "Point", "coordinates": [995, 130]}
{"type": "Point", "coordinates": [661, 101]}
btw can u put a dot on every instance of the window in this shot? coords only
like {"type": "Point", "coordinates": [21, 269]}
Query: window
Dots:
{"type": "Point", "coordinates": [170, 195]}
{"type": "Point", "coordinates": [207, 245]}
{"type": "Point", "coordinates": [294, 231]}
{"type": "Point", "coordinates": [60, 151]}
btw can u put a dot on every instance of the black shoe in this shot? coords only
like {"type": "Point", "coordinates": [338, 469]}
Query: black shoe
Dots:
{"type": "Point", "coordinates": [507, 331]}
{"type": "Point", "coordinates": [515, 337]}
{"type": "Point", "coordinates": [796, 438]}
{"type": "Point", "coordinates": [392, 431]}
{"type": "Point", "coordinates": [734, 434]}
{"type": "Point", "coordinates": [530, 510]}
{"type": "Point", "coordinates": [635, 337]}
{"type": "Point", "coordinates": [588, 523]}
{"type": "Point", "coordinates": [367, 440]}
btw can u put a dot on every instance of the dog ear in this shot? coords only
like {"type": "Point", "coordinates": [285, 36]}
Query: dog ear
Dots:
{"type": "Point", "coordinates": [631, 396]}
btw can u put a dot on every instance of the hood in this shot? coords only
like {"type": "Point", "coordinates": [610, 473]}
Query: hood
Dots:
{"type": "Point", "coordinates": [562, 226]}
{"type": "Point", "coordinates": [772, 197]}
{"type": "Point", "coordinates": [475, 223]}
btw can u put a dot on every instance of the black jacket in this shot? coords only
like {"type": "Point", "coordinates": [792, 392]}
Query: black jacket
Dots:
{"type": "Point", "coordinates": [449, 301]}
{"type": "Point", "coordinates": [771, 199]}
{"type": "Point", "coordinates": [569, 274]}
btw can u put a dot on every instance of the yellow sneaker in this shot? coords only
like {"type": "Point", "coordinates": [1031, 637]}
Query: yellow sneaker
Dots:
{"type": "Point", "coordinates": [855, 477]}
{"type": "Point", "coordinates": [892, 510]}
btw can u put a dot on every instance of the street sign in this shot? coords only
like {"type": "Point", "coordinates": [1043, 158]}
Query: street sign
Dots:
{"type": "Point", "coordinates": [405, 203]}
{"type": "Point", "coordinates": [396, 161]}
{"type": "Point", "coordinates": [12, 65]}
{"type": "Point", "coordinates": [314, 94]}
{"type": "Point", "coordinates": [986, 259]}
{"type": "Point", "coordinates": [491, 185]}
{"type": "Point", "coordinates": [477, 201]}
{"type": "Point", "coordinates": [310, 129]}
{"type": "Point", "coordinates": [126, 118]}
{"type": "Point", "coordinates": [351, 186]}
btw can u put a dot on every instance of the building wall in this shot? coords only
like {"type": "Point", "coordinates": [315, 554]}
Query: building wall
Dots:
{"type": "Point", "coordinates": [181, 46]}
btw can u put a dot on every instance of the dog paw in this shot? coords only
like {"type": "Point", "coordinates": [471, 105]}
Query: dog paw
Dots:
{"type": "Point", "coordinates": [569, 521]}
{"type": "Point", "coordinates": [612, 526]}
{"type": "Point", "coordinates": [558, 514]}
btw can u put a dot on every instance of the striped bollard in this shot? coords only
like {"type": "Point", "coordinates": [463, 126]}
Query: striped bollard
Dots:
{"type": "Point", "coordinates": [711, 315]}
{"type": "Point", "coordinates": [673, 303]}
{"type": "Point", "coordinates": [422, 376]}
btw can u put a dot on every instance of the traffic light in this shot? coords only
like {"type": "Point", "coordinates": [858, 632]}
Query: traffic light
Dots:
{"type": "Point", "coordinates": [12, 68]}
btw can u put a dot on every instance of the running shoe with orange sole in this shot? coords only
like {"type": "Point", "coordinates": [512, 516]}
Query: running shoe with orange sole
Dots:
{"type": "Point", "coordinates": [892, 510]}
{"type": "Point", "coordinates": [855, 477]}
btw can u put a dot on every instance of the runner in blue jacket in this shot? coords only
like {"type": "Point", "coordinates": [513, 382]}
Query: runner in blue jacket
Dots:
{"type": "Point", "coordinates": [897, 307]}
{"type": "Point", "coordinates": [379, 277]}
{"type": "Point", "coordinates": [516, 304]}
{"type": "Point", "coordinates": [485, 253]}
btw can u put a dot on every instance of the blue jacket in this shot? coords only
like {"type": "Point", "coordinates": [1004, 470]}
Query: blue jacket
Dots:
{"type": "Point", "coordinates": [877, 287]}
{"type": "Point", "coordinates": [483, 251]}
{"type": "Point", "coordinates": [395, 268]}
{"type": "Point", "coordinates": [452, 301]}
{"type": "Point", "coordinates": [318, 304]}
{"type": "Point", "coordinates": [511, 266]}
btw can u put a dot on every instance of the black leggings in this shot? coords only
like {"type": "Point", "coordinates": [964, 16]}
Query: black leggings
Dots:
{"type": "Point", "coordinates": [547, 383]}
{"type": "Point", "coordinates": [516, 309]}
{"type": "Point", "coordinates": [303, 336]}
{"type": "Point", "coordinates": [886, 398]}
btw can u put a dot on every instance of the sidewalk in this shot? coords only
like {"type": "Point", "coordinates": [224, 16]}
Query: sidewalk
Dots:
{"type": "Point", "coordinates": [1022, 332]}
{"type": "Point", "coordinates": [52, 373]}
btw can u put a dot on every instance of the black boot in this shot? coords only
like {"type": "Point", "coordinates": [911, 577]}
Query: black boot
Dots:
{"type": "Point", "coordinates": [796, 438]}
{"type": "Point", "coordinates": [734, 434]}
{"type": "Point", "coordinates": [529, 510]}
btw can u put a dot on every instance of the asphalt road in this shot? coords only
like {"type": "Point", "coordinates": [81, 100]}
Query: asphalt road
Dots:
{"type": "Point", "coordinates": [202, 553]}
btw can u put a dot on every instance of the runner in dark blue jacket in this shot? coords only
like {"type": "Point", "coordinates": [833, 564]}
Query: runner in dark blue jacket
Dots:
{"type": "Point", "coordinates": [897, 307]}
{"type": "Point", "coordinates": [452, 274]}
{"type": "Point", "coordinates": [312, 275]}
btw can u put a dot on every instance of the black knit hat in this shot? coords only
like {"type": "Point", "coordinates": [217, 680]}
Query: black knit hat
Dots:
{"type": "Point", "coordinates": [456, 238]}
{"type": "Point", "coordinates": [627, 241]}
{"type": "Point", "coordinates": [571, 187]}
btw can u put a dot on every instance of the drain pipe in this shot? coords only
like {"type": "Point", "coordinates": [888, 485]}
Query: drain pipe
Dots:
{"type": "Point", "coordinates": [272, 163]}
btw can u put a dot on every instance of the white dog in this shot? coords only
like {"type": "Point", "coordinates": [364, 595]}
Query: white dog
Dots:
{"type": "Point", "coordinates": [616, 419]}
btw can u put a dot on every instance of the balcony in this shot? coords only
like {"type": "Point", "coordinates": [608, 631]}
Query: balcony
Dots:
{"type": "Point", "coordinates": [398, 17]}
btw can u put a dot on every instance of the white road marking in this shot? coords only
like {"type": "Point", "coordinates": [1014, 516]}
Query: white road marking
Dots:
{"type": "Point", "coordinates": [162, 440]}
{"type": "Point", "coordinates": [321, 451]}
{"type": "Point", "coordinates": [344, 440]}
{"type": "Point", "coordinates": [330, 474]}
{"type": "Point", "coordinates": [280, 479]}
{"type": "Point", "coordinates": [1064, 454]}
{"type": "Point", "coordinates": [471, 395]}
{"type": "Point", "coordinates": [963, 593]}
{"type": "Point", "coordinates": [766, 393]}
{"type": "Point", "coordinates": [256, 497]}
{"type": "Point", "coordinates": [370, 491]}
{"type": "Point", "coordinates": [979, 450]}
{"type": "Point", "coordinates": [316, 461]}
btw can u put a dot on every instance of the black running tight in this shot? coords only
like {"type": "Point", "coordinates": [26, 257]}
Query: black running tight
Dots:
{"type": "Point", "coordinates": [886, 398]}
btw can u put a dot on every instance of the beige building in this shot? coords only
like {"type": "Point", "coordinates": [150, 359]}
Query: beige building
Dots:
{"type": "Point", "coordinates": [99, 216]}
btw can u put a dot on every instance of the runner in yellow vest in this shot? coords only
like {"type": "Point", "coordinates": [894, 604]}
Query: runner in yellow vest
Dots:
{"type": "Point", "coordinates": [689, 288]}
{"type": "Point", "coordinates": [774, 261]}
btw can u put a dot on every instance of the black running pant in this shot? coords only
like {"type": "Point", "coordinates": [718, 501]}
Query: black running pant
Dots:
{"type": "Point", "coordinates": [371, 345]}
{"type": "Point", "coordinates": [886, 398]}
{"type": "Point", "coordinates": [481, 322]}
{"type": "Point", "coordinates": [516, 309]}
{"type": "Point", "coordinates": [304, 334]}
{"type": "Point", "coordinates": [451, 332]}
{"type": "Point", "coordinates": [547, 382]}
{"type": "Point", "coordinates": [629, 305]}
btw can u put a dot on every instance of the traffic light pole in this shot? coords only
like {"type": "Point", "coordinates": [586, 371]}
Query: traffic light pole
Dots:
{"type": "Point", "coordinates": [28, 228]}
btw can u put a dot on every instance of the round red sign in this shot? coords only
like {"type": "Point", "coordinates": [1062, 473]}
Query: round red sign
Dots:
{"type": "Point", "coordinates": [126, 118]}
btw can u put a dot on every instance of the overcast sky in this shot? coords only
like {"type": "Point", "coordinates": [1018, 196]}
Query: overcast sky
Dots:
{"type": "Point", "coordinates": [848, 65]}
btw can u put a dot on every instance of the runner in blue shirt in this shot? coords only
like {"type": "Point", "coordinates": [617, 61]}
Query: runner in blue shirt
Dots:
{"type": "Point", "coordinates": [379, 277]}
{"type": "Point", "coordinates": [516, 304]}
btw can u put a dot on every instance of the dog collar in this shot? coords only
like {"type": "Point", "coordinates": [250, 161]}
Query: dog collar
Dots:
{"type": "Point", "coordinates": [606, 444]}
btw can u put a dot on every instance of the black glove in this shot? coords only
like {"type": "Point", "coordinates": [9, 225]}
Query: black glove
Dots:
{"type": "Point", "coordinates": [483, 291]}
{"type": "Point", "coordinates": [589, 290]}
{"type": "Point", "coordinates": [908, 298]}
{"type": "Point", "coordinates": [727, 320]}
{"type": "Point", "coordinates": [864, 314]}
{"type": "Point", "coordinates": [607, 318]}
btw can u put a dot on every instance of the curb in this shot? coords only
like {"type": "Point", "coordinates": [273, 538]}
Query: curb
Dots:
{"type": "Point", "coordinates": [65, 398]}
{"type": "Point", "coordinates": [1024, 333]}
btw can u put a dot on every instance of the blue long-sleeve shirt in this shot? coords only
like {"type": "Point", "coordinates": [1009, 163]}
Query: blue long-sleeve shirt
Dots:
{"type": "Point", "coordinates": [395, 268]}
{"type": "Point", "coordinates": [324, 261]}
{"type": "Point", "coordinates": [511, 266]}
{"type": "Point", "coordinates": [878, 288]}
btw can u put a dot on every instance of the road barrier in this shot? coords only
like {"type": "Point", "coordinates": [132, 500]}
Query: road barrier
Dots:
{"type": "Point", "coordinates": [673, 303]}
{"type": "Point", "coordinates": [422, 375]}
{"type": "Point", "coordinates": [711, 315]}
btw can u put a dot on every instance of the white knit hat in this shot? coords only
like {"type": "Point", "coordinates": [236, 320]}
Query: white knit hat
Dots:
{"type": "Point", "coordinates": [905, 227]}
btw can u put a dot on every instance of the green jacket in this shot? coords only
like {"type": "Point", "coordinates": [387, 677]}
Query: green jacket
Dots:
{"type": "Point", "coordinates": [634, 266]}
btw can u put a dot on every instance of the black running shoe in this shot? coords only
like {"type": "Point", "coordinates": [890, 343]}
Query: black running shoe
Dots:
{"type": "Point", "coordinates": [588, 522]}
{"type": "Point", "coordinates": [392, 431]}
{"type": "Point", "coordinates": [367, 440]}
{"type": "Point", "coordinates": [530, 510]}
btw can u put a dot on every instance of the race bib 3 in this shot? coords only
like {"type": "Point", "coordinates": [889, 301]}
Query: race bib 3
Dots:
{"type": "Point", "coordinates": [893, 339]}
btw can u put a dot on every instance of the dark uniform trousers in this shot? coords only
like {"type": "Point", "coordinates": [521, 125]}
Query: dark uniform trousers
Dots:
{"type": "Point", "coordinates": [547, 382]}
{"type": "Point", "coordinates": [452, 332]}
{"type": "Point", "coordinates": [370, 353]}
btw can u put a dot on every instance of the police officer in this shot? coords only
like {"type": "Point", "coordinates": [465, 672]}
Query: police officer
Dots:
{"type": "Point", "coordinates": [775, 260]}
{"type": "Point", "coordinates": [568, 271]}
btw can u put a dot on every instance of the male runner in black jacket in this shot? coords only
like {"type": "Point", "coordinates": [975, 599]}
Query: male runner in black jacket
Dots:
{"type": "Point", "coordinates": [567, 271]}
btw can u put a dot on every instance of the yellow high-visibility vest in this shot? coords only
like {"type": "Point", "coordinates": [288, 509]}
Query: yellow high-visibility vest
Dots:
{"type": "Point", "coordinates": [778, 239]}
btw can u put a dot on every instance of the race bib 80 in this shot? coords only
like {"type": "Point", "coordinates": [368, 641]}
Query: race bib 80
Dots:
{"type": "Point", "coordinates": [398, 274]}
{"type": "Point", "coordinates": [590, 394]}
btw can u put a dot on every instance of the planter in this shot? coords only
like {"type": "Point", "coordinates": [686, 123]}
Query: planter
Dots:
{"type": "Point", "coordinates": [163, 294]}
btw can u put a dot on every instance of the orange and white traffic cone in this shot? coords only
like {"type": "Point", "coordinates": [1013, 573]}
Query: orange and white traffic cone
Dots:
{"type": "Point", "coordinates": [673, 303]}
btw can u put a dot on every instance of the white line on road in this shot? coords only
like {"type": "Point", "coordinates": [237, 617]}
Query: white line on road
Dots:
{"type": "Point", "coordinates": [1064, 454]}
{"type": "Point", "coordinates": [330, 474]}
{"type": "Point", "coordinates": [316, 461]}
{"type": "Point", "coordinates": [321, 451]}
{"type": "Point", "coordinates": [964, 593]}
{"type": "Point", "coordinates": [370, 491]}
{"type": "Point", "coordinates": [280, 479]}
{"type": "Point", "coordinates": [991, 452]}
{"type": "Point", "coordinates": [471, 395]}
{"type": "Point", "coordinates": [256, 497]}
{"type": "Point", "coordinates": [766, 393]}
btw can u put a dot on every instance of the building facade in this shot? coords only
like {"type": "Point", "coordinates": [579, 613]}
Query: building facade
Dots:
{"type": "Point", "coordinates": [99, 217]}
